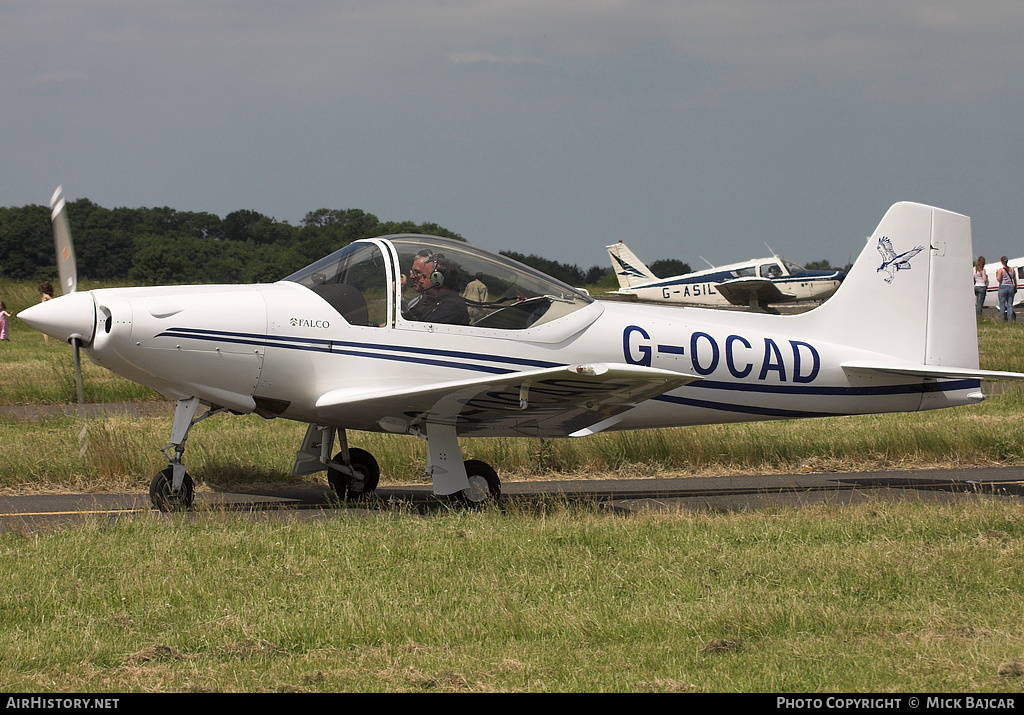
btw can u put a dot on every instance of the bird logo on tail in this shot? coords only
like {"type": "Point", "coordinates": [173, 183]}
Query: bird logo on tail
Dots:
{"type": "Point", "coordinates": [893, 262]}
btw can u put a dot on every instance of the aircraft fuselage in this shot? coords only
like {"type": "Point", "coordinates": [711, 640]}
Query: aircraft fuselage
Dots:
{"type": "Point", "coordinates": [276, 348]}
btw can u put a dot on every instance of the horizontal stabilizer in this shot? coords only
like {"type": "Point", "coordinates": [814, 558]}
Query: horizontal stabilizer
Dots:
{"type": "Point", "coordinates": [930, 371]}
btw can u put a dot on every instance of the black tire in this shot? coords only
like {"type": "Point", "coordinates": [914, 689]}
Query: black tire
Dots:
{"type": "Point", "coordinates": [484, 485]}
{"type": "Point", "coordinates": [160, 492]}
{"type": "Point", "coordinates": [363, 484]}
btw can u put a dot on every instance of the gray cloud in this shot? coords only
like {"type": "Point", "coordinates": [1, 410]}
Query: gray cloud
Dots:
{"type": "Point", "coordinates": [687, 129]}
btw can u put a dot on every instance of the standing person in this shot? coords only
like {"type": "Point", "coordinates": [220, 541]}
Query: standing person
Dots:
{"type": "Point", "coordinates": [4, 315]}
{"type": "Point", "coordinates": [475, 293]}
{"type": "Point", "coordinates": [46, 291]}
{"type": "Point", "coordinates": [1007, 287]}
{"type": "Point", "coordinates": [980, 284]}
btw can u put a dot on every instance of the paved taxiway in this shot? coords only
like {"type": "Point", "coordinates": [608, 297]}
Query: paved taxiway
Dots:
{"type": "Point", "coordinates": [694, 493]}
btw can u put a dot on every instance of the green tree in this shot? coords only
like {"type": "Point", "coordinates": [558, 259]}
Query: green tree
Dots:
{"type": "Point", "coordinates": [324, 231]}
{"type": "Point", "coordinates": [26, 243]}
{"type": "Point", "coordinates": [566, 273]}
{"type": "Point", "coordinates": [103, 240]}
{"type": "Point", "coordinates": [159, 261]}
{"type": "Point", "coordinates": [163, 245]}
{"type": "Point", "coordinates": [669, 267]}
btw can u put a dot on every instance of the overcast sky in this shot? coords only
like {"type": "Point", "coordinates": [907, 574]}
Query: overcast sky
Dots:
{"type": "Point", "coordinates": [685, 128]}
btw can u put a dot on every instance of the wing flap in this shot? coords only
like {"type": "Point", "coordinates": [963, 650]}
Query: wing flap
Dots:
{"type": "Point", "coordinates": [550, 402]}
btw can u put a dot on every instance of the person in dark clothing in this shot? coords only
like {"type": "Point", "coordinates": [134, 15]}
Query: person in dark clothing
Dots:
{"type": "Point", "coordinates": [433, 276]}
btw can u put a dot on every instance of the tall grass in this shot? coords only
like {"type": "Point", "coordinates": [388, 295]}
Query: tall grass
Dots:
{"type": "Point", "coordinates": [1001, 345]}
{"type": "Point", "coordinates": [226, 452]}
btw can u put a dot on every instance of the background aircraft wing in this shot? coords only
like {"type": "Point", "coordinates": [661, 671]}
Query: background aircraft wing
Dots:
{"type": "Point", "coordinates": [551, 402]}
{"type": "Point", "coordinates": [753, 292]}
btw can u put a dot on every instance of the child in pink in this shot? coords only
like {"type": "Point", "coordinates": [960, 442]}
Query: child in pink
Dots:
{"type": "Point", "coordinates": [4, 315]}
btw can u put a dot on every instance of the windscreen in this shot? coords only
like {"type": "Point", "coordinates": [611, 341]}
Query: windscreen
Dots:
{"type": "Point", "coordinates": [353, 281]}
{"type": "Point", "coordinates": [497, 291]}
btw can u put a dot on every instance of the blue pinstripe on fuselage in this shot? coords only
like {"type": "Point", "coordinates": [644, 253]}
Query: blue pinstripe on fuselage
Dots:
{"type": "Point", "coordinates": [502, 364]}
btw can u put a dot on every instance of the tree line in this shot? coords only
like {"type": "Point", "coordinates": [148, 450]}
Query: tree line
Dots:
{"type": "Point", "coordinates": [154, 246]}
{"type": "Point", "coordinates": [162, 245]}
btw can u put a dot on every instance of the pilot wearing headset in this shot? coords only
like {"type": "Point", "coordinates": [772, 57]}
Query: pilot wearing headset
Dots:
{"type": "Point", "coordinates": [433, 276]}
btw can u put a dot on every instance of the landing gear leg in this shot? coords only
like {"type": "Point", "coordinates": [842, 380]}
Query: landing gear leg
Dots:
{"type": "Point", "coordinates": [353, 473]}
{"type": "Point", "coordinates": [471, 482]}
{"type": "Point", "coordinates": [172, 489]}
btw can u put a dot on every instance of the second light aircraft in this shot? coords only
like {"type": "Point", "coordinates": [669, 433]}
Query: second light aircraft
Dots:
{"type": "Point", "coordinates": [756, 284]}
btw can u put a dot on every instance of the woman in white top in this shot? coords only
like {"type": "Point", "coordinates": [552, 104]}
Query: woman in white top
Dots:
{"type": "Point", "coordinates": [980, 284]}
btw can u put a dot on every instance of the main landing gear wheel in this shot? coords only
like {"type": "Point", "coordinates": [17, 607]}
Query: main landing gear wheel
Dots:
{"type": "Point", "coordinates": [164, 499]}
{"type": "Point", "coordinates": [484, 485]}
{"type": "Point", "coordinates": [362, 483]}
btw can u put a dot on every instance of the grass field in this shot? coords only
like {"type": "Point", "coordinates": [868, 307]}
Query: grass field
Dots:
{"type": "Point", "coordinates": [898, 598]}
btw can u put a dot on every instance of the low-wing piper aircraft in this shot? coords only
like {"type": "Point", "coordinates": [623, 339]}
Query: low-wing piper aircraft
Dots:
{"type": "Point", "coordinates": [756, 284]}
{"type": "Point", "coordinates": [341, 345]}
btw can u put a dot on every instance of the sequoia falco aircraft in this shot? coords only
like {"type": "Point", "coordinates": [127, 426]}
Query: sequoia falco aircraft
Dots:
{"type": "Point", "coordinates": [378, 336]}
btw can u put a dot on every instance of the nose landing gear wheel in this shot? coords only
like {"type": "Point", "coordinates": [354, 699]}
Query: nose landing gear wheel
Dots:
{"type": "Point", "coordinates": [164, 499]}
{"type": "Point", "coordinates": [362, 483]}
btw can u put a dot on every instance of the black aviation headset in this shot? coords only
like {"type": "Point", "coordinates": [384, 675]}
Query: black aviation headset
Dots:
{"type": "Point", "coordinates": [438, 275]}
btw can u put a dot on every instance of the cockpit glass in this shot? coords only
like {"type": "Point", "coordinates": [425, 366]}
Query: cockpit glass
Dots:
{"type": "Point", "coordinates": [497, 291]}
{"type": "Point", "coordinates": [793, 268]}
{"type": "Point", "coordinates": [353, 281]}
{"type": "Point", "coordinates": [478, 288]}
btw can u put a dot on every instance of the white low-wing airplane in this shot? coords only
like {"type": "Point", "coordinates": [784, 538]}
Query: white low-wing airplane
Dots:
{"type": "Point", "coordinates": [757, 283]}
{"type": "Point", "coordinates": [336, 346]}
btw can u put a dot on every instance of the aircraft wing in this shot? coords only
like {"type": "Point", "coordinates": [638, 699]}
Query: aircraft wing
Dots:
{"type": "Point", "coordinates": [549, 402]}
{"type": "Point", "coordinates": [753, 292]}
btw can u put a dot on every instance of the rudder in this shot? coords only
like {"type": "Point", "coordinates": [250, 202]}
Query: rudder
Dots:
{"type": "Point", "coordinates": [629, 269]}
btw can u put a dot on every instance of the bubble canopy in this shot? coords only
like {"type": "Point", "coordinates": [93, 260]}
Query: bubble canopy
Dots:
{"type": "Point", "coordinates": [498, 291]}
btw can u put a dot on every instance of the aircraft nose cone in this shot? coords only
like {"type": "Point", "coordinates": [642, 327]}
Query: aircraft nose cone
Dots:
{"type": "Point", "coordinates": [70, 316]}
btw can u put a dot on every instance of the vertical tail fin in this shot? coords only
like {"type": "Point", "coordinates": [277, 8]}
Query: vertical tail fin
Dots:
{"type": "Point", "coordinates": [909, 295]}
{"type": "Point", "coordinates": [628, 268]}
